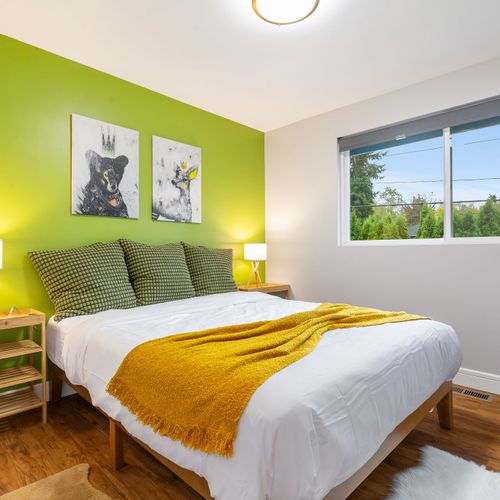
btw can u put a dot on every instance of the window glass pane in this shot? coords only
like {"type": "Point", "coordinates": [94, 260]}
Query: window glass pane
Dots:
{"type": "Point", "coordinates": [397, 189]}
{"type": "Point", "coordinates": [476, 180]}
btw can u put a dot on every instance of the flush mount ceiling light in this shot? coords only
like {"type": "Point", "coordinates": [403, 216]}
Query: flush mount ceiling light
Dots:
{"type": "Point", "coordinates": [283, 12]}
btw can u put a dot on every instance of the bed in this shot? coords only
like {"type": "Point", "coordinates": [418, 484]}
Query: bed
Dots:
{"type": "Point", "coordinates": [313, 430]}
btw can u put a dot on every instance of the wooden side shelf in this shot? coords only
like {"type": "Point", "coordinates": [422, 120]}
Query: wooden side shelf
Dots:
{"type": "Point", "coordinates": [19, 348]}
{"type": "Point", "coordinates": [17, 402]}
{"type": "Point", "coordinates": [271, 288]}
{"type": "Point", "coordinates": [18, 375]}
{"type": "Point", "coordinates": [24, 317]}
{"type": "Point", "coordinates": [24, 399]}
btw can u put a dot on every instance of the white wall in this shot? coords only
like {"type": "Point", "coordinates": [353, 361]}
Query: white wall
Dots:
{"type": "Point", "coordinates": [457, 284]}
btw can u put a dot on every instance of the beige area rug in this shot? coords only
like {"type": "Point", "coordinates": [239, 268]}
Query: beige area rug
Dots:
{"type": "Point", "coordinates": [70, 484]}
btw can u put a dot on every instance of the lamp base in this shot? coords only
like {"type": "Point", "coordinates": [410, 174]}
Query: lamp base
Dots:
{"type": "Point", "coordinates": [12, 312]}
{"type": "Point", "coordinates": [255, 272]}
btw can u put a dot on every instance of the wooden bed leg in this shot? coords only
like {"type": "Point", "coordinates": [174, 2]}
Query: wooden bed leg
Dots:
{"type": "Point", "coordinates": [445, 411]}
{"type": "Point", "coordinates": [55, 388]}
{"type": "Point", "coordinates": [116, 445]}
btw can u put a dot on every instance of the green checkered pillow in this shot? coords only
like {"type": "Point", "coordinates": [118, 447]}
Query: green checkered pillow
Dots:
{"type": "Point", "coordinates": [85, 280]}
{"type": "Point", "coordinates": [158, 273]}
{"type": "Point", "coordinates": [211, 269]}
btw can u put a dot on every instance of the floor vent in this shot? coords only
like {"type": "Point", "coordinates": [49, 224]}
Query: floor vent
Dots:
{"type": "Point", "coordinates": [482, 396]}
{"type": "Point", "coordinates": [4, 425]}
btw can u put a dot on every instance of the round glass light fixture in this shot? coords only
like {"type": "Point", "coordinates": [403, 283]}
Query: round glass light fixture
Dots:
{"type": "Point", "coordinates": [282, 12]}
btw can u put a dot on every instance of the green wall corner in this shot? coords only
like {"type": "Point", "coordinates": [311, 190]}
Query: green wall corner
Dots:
{"type": "Point", "coordinates": [38, 93]}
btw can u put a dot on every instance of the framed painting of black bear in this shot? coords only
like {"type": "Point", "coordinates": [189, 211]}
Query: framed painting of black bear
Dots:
{"type": "Point", "coordinates": [105, 169]}
{"type": "Point", "coordinates": [176, 181]}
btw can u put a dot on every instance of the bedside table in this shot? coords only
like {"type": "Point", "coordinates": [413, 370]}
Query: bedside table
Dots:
{"type": "Point", "coordinates": [271, 288]}
{"type": "Point", "coordinates": [24, 399]}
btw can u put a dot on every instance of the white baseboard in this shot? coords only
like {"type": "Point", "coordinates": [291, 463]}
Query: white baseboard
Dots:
{"type": "Point", "coordinates": [66, 390]}
{"type": "Point", "coordinates": [481, 381]}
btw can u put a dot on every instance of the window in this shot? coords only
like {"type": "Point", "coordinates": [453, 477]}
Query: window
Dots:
{"type": "Point", "coordinates": [414, 182]}
{"type": "Point", "coordinates": [475, 170]}
{"type": "Point", "coordinates": [397, 190]}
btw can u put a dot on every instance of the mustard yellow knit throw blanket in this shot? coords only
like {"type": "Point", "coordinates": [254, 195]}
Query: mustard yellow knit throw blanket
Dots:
{"type": "Point", "coordinates": [193, 387]}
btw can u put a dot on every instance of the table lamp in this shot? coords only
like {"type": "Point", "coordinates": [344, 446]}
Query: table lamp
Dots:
{"type": "Point", "coordinates": [1, 254]}
{"type": "Point", "coordinates": [255, 252]}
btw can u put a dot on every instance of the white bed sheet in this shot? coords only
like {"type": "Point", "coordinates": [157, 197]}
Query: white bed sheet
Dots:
{"type": "Point", "coordinates": [307, 428]}
{"type": "Point", "coordinates": [55, 341]}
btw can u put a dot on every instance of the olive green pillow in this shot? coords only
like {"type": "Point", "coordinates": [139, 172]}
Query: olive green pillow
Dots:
{"type": "Point", "coordinates": [85, 280]}
{"type": "Point", "coordinates": [158, 273]}
{"type": "Point", "coordinates": [211, 269]}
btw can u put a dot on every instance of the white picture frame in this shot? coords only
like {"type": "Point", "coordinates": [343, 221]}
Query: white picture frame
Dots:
{"type": "Point", "coordinates": [104, 169]}
{"type": "Point", "coordinates": [177, 182]}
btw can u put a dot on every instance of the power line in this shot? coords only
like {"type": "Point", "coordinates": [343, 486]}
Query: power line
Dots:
{"type": "Point", "coordinates": [419, 203]}
{"type": "Point", "coordinates": [472, 179]}
{"type": "Point", "coordinates": [436, 148]}
{"type": "Point", "coordinates": [409, 182]}
{"type": "Point", "coordinates": [414, 151]}
{"type": "Point", "coordinates": [401, 204]}
{"type": "Point", "coordinates": [482, 140]}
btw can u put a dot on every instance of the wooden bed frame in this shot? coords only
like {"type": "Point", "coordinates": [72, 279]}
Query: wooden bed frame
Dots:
{"type": "Point", "coordinates": [442, 399]}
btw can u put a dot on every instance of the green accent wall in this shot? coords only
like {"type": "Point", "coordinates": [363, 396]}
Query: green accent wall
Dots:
{"type": "Point", "coordinates": [38, 93]}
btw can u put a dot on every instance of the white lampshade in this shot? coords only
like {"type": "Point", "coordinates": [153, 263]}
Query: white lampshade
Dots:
{"type": "Point", "coordinates": [255, 251]}
{"type": "Point", "coordinates": [1, 254]}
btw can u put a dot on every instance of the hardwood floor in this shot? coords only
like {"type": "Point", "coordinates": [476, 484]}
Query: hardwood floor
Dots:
{"type": "Point", "coordinates": [77, 433]}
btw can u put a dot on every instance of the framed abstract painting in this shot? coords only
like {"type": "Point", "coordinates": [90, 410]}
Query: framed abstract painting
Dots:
{"type": "Point", "coordinates": [105, 169]}
{"type": "Point", "coordinates": [176, 181]}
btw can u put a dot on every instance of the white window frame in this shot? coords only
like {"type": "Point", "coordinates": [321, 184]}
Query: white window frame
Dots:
{"type": "Point", "coordinates": [344, 162]}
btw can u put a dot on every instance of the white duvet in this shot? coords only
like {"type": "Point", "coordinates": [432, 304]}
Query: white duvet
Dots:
{"type": "Point", "coordinates": [306, 429]}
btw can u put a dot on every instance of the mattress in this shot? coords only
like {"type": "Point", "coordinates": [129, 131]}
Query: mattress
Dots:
{"type": "Point", "coordinates": [308, 427]}
{"type": "Point", "coordinates": [55, 341]}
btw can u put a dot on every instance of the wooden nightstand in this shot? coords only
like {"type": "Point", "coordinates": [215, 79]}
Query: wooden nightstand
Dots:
{"type": "Point", "coordinates": [24, 399]}
{"type": "Point", "coordinates": [272, 288]}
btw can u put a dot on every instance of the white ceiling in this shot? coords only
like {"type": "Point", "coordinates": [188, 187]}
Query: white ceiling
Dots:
{"type": "Point", "coordinates": [217, 55]}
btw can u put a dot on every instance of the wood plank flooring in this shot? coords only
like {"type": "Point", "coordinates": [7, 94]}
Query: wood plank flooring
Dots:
{"type": "Point", "coordinates": [77, 433]}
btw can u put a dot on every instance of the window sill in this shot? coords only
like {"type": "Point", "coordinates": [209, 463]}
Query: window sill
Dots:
{"type": "Point", "coordinates": [487, 240]}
